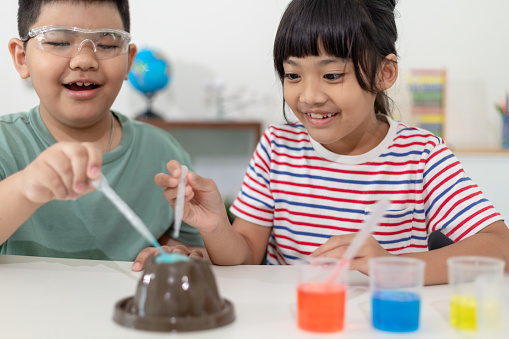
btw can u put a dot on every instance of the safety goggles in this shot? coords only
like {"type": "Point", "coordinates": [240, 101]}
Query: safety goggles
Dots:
{"type": "Point", "coordinates": [68, 41]}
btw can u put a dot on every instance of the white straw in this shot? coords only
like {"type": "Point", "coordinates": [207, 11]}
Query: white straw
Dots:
{"type": "Point", "coordinates": [366, 228]}
{"type": "Point", "coordinates": [179, 204]}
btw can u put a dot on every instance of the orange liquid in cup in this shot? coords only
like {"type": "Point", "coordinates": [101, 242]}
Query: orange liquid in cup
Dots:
{"type": "Point", "coordinates": [321, 307]}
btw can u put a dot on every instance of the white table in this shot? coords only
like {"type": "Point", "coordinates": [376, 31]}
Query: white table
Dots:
{"type": "Point", "coordinates": [64, 298]}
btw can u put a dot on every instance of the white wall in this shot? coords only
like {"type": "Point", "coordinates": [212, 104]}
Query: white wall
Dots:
{"type": "Point", "coordinates": [232, 40]}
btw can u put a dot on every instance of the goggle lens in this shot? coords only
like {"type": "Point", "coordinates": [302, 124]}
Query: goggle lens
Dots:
{"type": "Point", "coordinates": [68, 42]}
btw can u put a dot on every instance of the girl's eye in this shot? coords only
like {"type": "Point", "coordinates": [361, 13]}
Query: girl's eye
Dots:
{"type": "Point", "coordinates": [333, 76]}
{"type": "Point", "coordinates": [291, 76]}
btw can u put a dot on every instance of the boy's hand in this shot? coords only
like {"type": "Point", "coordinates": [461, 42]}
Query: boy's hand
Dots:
{"type": "Point", "coordinates": [337, 245]}
{"type": "Point", "coordinates": [142, 257]}
{"type": "Point", "coordinates": [203, 207]}
{"type": "Point", "coordinates": [61, 172]}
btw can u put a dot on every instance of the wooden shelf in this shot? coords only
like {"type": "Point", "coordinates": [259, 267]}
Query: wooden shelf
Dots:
{"type": "Point", "coordinates": [214, 138]}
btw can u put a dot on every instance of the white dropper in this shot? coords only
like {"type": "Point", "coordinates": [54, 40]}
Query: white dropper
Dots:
{"type": "Point", "coordinates": [179, 204]}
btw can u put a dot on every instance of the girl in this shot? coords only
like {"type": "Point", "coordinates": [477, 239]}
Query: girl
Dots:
{"type": "Point", "coordinates": [311, 183]}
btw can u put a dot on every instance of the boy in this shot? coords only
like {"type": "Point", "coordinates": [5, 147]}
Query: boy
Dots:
{"type": "Point", "coordinates": [77, 54]}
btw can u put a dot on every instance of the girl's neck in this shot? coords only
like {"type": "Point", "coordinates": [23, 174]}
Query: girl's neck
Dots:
{"type": "Point", "coordinates": [371, 135]}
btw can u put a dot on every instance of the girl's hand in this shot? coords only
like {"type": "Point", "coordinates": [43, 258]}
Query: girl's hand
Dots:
{"type": "Point", "coordinates": [61, 172]}
{"type": "Point", "coordinates": [142, 257]}
{"type": "Point", "coordinates": [337, 245]}
{"type": "Point", "coordinates": [203, 208]}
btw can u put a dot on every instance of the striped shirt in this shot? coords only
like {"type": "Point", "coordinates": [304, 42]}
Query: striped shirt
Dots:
{"type": "Point", "coordinates": [308, 194]}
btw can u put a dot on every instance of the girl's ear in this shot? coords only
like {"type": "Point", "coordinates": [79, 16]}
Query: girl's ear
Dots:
{"type": "Point", "coordinates": [388, 72]}
{"type": "Point", "coordinates": [18, 55]}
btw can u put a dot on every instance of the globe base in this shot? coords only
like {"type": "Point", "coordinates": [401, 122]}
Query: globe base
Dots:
{"type": "Point", "coordinates": [149, 115]}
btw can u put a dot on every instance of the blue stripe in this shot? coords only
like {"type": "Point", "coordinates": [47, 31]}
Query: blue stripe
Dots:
{"type": "Point", "coordinates": [438, 163]}
{"type": "Point", "coordinates": [259, 175]}
{"type": "Point", "coordinates": [445, 192]}
{"type": "Point", "coordinates": [311, 234]}
{"type": "Point", "coordinates": [403, 239]}
{"type": "Point", "coordinates": [406, 129]}
{"type": "Point", "coordinates": [358, 182]}
{"type": "Point", "coordinates": [390, 215]}
{"type": "Point", "coordinates": [401, 155]}
{"type": "Point", "coordinates": [265, 150]}
{"type": "Point", "coordinates": [242, 192]}
{"type": "Point", "coordinates": [330, 208]}
{"type": "Point", "coordinates": [286, 256]}
{"type": "Point", "coordinates": [326, 236]}
{"type": "Point", "coordinates": [293, 148]}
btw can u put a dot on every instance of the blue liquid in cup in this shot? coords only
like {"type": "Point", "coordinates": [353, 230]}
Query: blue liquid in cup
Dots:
{"type": "Point", "coordinates": [395, 311]}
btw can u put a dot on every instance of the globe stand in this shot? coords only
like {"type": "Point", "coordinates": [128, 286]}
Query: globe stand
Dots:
{"type": "Point", "coordinates": [149, 114]}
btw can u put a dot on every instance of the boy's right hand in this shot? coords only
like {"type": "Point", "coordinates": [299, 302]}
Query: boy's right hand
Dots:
{"type": "Point", "coordinates": [203, 208]}
{"type": "Point", "coordinates": [61, 172]}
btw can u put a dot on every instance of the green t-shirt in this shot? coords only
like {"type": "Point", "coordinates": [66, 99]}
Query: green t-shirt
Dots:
{"type": "Point", "coordinates": [91, 227]}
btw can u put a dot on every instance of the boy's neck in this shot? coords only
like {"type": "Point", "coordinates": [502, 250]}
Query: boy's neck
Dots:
{"type": "Point", "coordinates": [105, 134]}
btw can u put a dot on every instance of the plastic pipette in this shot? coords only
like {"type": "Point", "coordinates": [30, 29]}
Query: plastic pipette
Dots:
{"type": "Point", "coordinates": [366, 228]}
{"type": "Point", "coordinates": [102, 185]}
{"type": "Point", "coordinates": [179, 204]}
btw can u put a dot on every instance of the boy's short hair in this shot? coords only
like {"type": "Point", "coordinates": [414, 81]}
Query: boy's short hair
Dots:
{"type": "Point", "coordinates": [29, 11]}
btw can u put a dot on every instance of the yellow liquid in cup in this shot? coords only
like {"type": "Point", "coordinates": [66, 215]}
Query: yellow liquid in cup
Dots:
{"type": "Point", "coordinates": [463, 313]}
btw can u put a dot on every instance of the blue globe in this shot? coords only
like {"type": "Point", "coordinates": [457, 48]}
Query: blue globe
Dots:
{"type": "Point", "coordinates": [150, 71]}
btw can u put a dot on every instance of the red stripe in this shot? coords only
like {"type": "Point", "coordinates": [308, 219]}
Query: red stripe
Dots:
{"type": "Point", "coordinates": [253, 181]}
{"type": "Point", "coordinates": [440, 184]}
{"type": "Point", "coordinates": [414, 143]}
{"type": "Point", "coordinates": [278, 220]}
{"type": "Point", "coordinates": [257, 191]}
{"type": "Point", "coordinates": [280, 236]}
{"type": "Point", "coordinates": [251, 215]}
{"type": "Point", "coordinates": [423, 135]}
{"type": "Point", "coordinates": [267, 167]}
{"type": "Point", "coordinates": [476, 225]}
{"type": "Point", "coordinates": [278, 256]}
{"type": "Point", "coordinates": [291, 131]}
{"type": "Point", "coordinates": [393, 163]}
{"type": "Point", "coordinates": [342, 190]}
{"type": "Point", "coordinates": [243, 202]}
{"type": "Point", "coordinates": [336, 170]}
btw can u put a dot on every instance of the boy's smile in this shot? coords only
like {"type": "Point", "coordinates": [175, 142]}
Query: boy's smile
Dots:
{"type": "Point", "coordinates": [77, 91]}
{"type": "Point", "coordinates": [82, 89]}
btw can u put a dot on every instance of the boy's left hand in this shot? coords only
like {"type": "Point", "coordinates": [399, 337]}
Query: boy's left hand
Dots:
{"type": "Point", "coordinates": [336, 246]}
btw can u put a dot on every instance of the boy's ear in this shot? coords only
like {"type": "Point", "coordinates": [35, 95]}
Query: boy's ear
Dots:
{"type": "Point", "coordinates": [18, 55]}
{"type": "Point", "coordinates": [388, 72]}
{"type": "Point", "coordinates": [132, 54]}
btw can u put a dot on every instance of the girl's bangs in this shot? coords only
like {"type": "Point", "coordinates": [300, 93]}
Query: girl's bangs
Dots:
{"type": "Point", "coordinates": [302, 43]}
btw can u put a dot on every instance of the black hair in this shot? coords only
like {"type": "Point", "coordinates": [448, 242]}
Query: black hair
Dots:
{"type": "Point", "coordinates": [363, 31]}
{"type": "Point", "coordinates": [29, 11]}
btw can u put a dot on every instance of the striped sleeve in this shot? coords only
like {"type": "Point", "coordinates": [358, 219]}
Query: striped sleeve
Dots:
{"type": "Point", "coordinates": [254, 202]}
{"type": "Point", "coordinates": [454, 203]}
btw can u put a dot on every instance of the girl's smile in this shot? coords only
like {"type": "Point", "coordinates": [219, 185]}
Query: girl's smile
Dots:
{"type": "Point", "coordinates": [320, 118]}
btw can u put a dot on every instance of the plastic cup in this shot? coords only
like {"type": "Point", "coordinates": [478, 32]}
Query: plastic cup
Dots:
{"type": "Point", "coordinates": [395, 284]}
{"type": "Point", "coordinates": [476, 292]}
{"type": "Point", "coordinates": [320, 304]}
